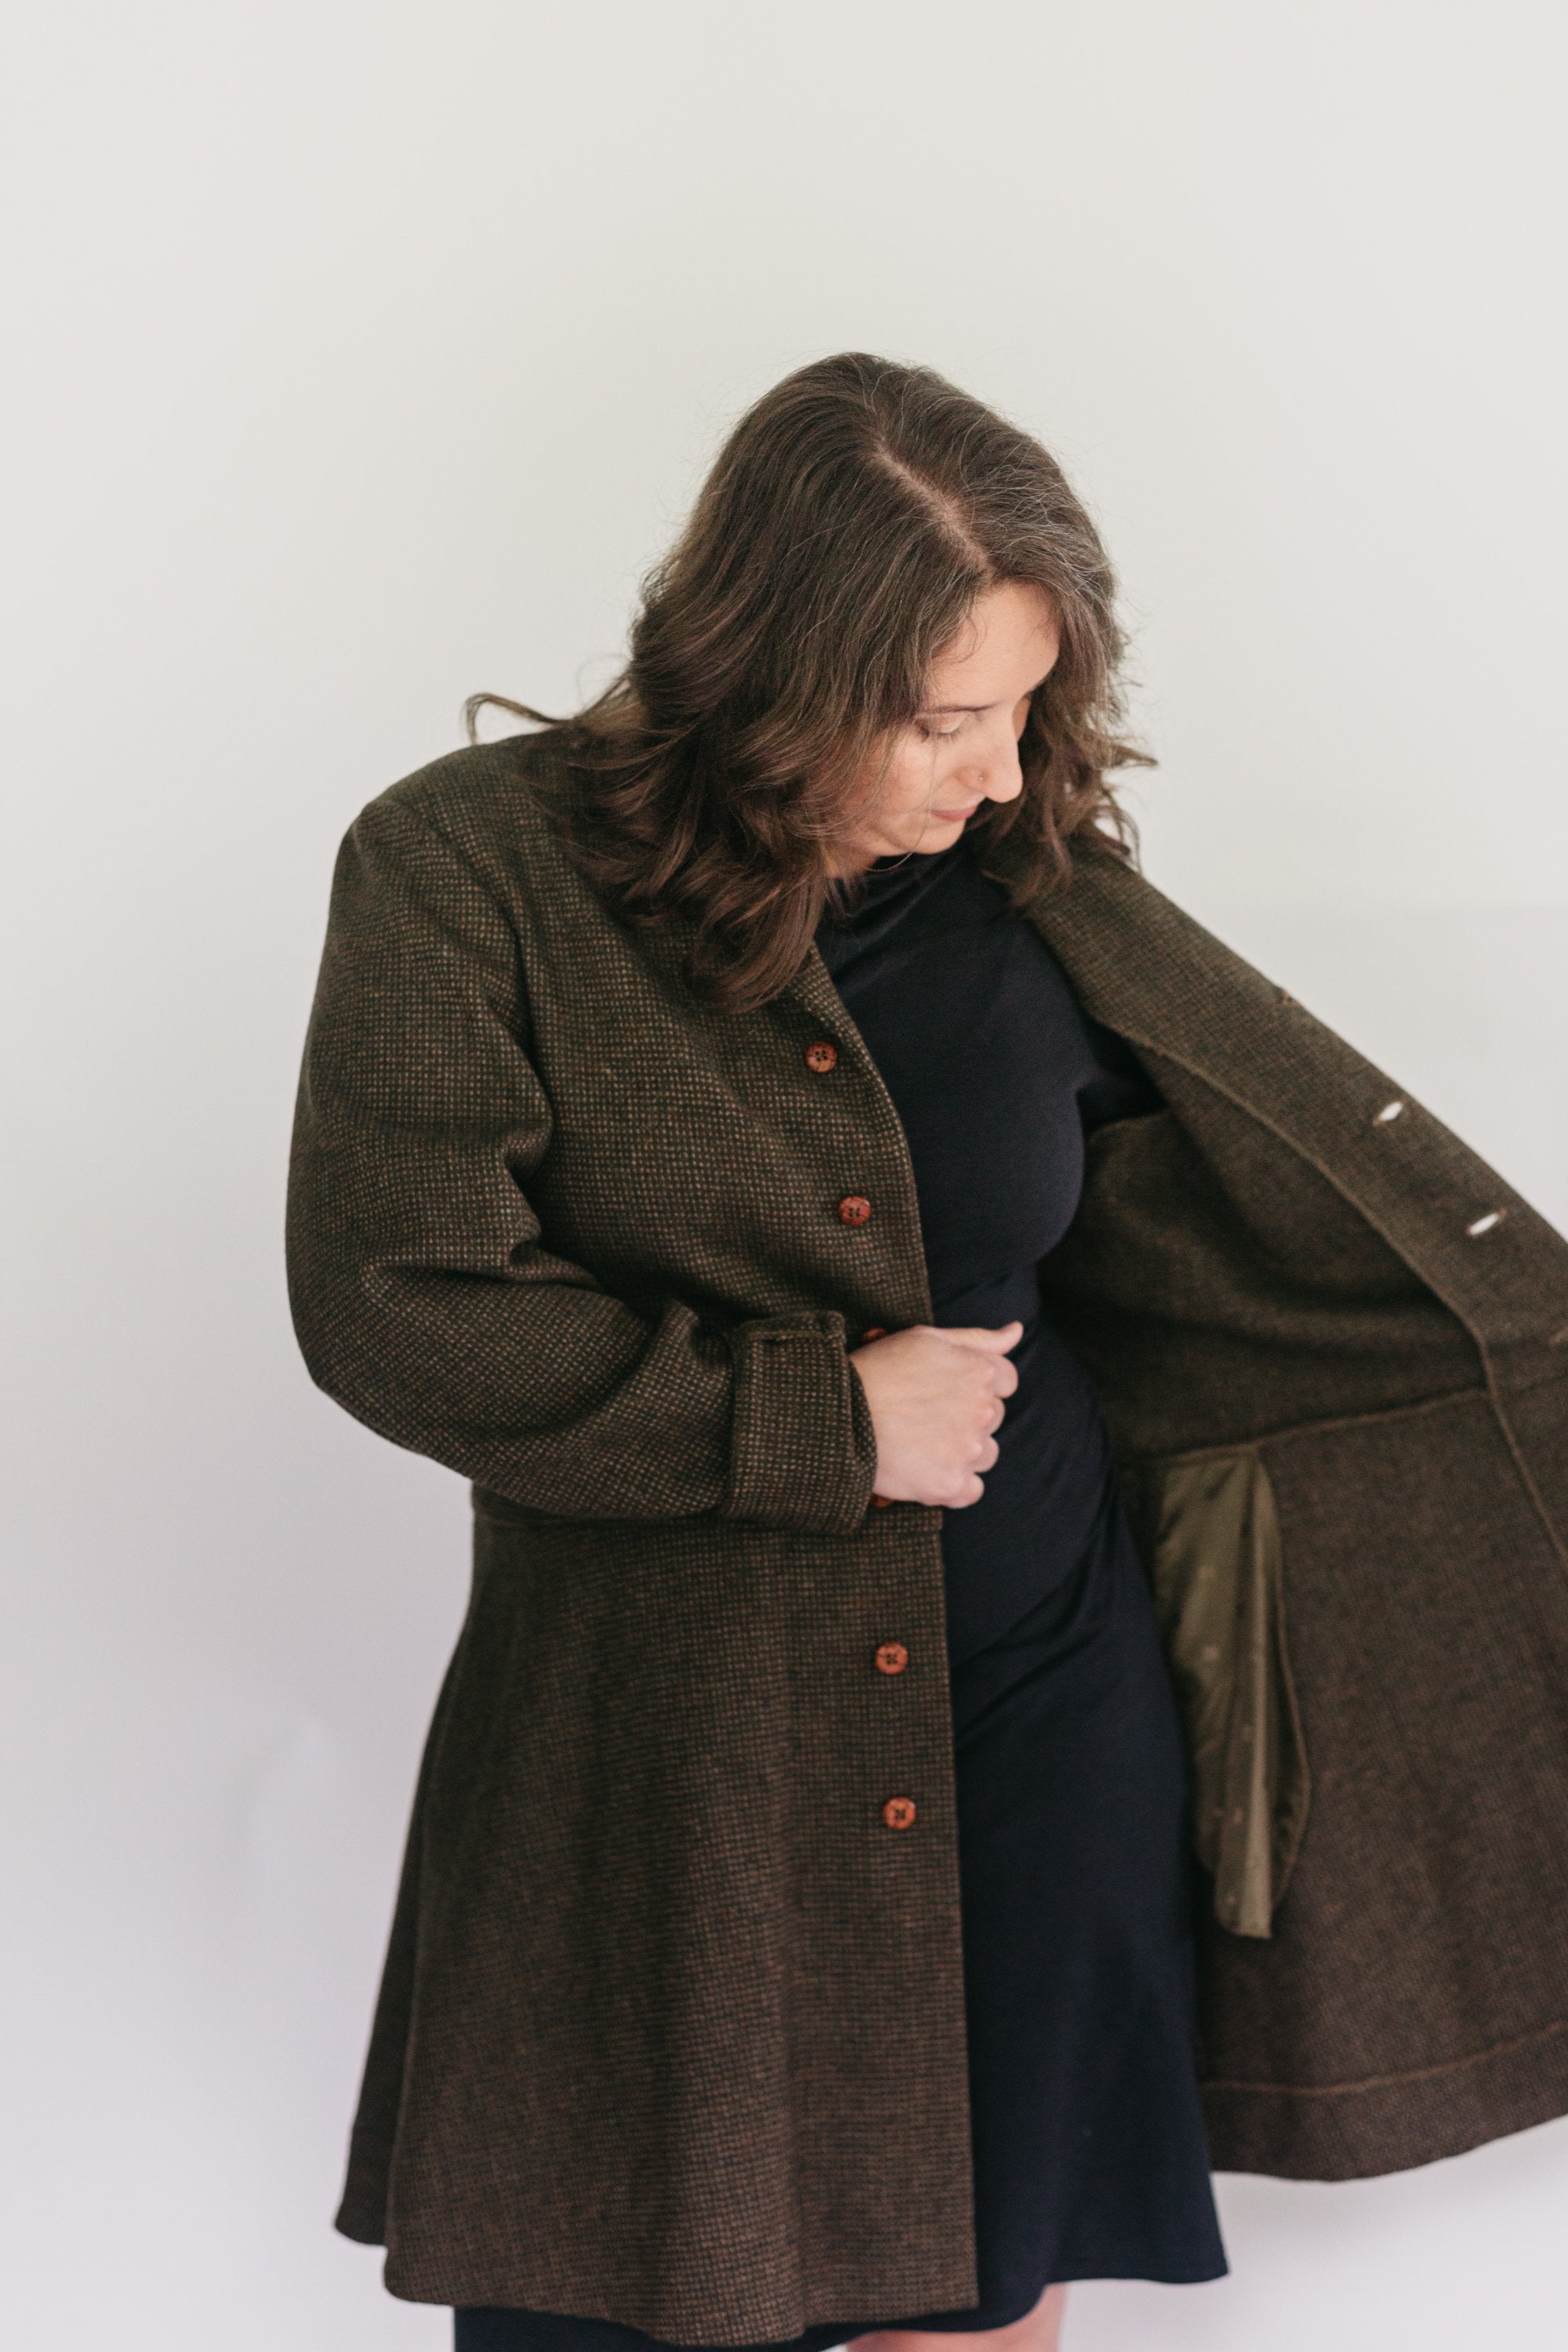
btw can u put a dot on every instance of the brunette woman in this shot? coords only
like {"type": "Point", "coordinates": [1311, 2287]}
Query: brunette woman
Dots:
{"type": "Point", "coordinates": [796, 1940]}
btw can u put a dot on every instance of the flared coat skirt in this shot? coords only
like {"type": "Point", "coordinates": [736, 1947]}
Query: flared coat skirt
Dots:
{"type": "Point", "coordinates": [1073, 1788]}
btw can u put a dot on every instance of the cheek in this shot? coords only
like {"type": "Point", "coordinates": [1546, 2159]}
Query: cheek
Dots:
{"type": "Point", "coordinates": [914, 768]}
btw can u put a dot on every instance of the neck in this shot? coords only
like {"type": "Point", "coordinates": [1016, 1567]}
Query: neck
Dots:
{"type": "Point", "coordinates": [860, 862]}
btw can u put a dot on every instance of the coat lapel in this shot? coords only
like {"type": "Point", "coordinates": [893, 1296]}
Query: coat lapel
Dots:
{"type": "Point", "coordinates": [1151, 972]}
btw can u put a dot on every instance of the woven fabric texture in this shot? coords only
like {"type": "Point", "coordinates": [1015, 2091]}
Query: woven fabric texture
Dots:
{"type": "Point", "coordinates": [671, 2028]}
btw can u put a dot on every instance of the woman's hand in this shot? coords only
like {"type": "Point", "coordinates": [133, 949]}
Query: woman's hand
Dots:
{"type": "Point", "coordinates": [935, 1399]}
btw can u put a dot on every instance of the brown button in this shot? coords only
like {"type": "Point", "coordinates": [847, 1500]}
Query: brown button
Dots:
{"type": "Point", "coordinates": [883, 1502]}
{"type": "Point", "coordinates": [877, 1331]}
{"type": "Point", "coordinates": [854, 1209]}
{"type": "Point", "coordinates": [898, 1812]}
{"type": "Point", "coordinates": [822, 1055]}
{"type": "Point", "coordinates": [891, 1658]}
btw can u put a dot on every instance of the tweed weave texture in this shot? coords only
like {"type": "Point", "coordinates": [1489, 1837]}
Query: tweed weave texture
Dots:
{"type": "Point", "coordinates": [671, 2029]}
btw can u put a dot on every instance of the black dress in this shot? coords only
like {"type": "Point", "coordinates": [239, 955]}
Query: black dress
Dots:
{"type": "Point", "coordinates": [1088, 2148]}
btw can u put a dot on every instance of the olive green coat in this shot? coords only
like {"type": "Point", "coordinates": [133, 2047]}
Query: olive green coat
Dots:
{"type": "Point", "coordinates": [671, 2031]}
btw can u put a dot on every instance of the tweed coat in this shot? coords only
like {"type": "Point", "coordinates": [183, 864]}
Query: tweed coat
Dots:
{"type": "Point", "coordinates": [671, 2029]}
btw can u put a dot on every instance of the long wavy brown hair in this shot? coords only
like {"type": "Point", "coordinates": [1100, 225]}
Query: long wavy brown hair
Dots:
{"type": "Point", "coordinates": [853, 516]}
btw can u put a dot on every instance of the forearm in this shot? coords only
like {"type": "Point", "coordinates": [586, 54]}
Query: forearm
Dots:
{"type": "Point", "coordinates": [561, 1399]}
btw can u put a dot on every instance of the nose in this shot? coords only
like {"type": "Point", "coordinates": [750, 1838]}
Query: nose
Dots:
{"type": "Point", "coordinates": [994, 770]}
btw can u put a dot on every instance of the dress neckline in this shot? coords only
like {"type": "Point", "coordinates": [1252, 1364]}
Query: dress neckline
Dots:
{"type": "Point", "coordinates": [906, 873]}
{"type": "Point", "coordinates": [883, 897]}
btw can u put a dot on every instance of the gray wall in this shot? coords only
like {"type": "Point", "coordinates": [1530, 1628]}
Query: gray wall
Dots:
{"type": "Point", "coordinates": [365, 355]}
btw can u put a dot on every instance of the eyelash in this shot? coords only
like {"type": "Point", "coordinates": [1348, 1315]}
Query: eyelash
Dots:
{"type": "Point", "coordinates": [929, 734]}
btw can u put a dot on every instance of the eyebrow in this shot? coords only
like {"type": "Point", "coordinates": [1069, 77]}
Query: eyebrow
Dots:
{"type": "Point", "coordinates": [973, 709]}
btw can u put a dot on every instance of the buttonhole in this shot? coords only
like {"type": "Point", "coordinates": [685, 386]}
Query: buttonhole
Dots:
{"type": "Point", "coordinates": [1484, 1225]}
{"type": "Point", "coordinates": [1389, 1110]}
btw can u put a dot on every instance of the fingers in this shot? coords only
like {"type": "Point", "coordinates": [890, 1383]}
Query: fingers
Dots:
{"type": "Point", "coordinates": [997, 1339]}
{"type": "Point", "coordinates": [981, 1341]}
{"type": "Point", "coordinates": [963, 1485]}
{"type": "Point", "coordinates": [936, 1416]}
{"type": "Point", "coordinates": [996, 1376]}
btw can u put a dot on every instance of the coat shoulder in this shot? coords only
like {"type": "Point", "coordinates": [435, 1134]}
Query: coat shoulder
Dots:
{"type": "Point", "coordinates": [485, 800]}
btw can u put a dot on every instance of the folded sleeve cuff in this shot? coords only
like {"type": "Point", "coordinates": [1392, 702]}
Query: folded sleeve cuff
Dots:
{"type": "Point", "coordinates": [803, 1451]}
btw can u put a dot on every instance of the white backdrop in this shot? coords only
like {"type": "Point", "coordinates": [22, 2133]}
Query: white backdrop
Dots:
{"type": "Point", "coordinates": [362, 355]}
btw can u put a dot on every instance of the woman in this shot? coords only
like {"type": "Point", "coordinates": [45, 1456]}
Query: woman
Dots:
{"type": "Point", "coordinates": [883, 1269]}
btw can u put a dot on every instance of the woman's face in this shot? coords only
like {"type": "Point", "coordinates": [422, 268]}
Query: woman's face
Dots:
{"type": "Point", "coordinates": [962, 749]}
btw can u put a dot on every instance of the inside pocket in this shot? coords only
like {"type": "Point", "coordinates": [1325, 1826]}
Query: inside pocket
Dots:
{"type": "Point", "coordinates": [1212, 1542]}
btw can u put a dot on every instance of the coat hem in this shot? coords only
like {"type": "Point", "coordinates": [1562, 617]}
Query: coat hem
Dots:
{"type": "Point", "coordinates": [1388, 2122]}
{"type": "Point", "coordinates": [362, 2208]}
{"type": "Point", "coordinates": [364, 2229]}
{"type": "Point", "coordinates": [749, 2331]}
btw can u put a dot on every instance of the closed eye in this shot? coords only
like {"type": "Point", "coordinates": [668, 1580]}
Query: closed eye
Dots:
{"type": "Point", "coordinates": [961, 715]}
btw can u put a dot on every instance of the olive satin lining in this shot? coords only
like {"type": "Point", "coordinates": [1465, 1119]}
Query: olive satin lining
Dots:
{"type": "Point", "coordinates": [1212, 1545]}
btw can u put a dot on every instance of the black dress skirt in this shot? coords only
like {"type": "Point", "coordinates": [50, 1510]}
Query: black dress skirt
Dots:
{"type": "Point", "coordinates": [1087, 2138]}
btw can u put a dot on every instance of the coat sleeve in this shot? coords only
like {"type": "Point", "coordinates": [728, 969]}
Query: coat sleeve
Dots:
{"type": "Point", "coordinates": [425, 1297]}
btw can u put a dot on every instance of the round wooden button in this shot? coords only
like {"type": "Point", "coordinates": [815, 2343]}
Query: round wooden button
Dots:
{"type": "Point", "coordinates": [891, 1658]}
{"type": "Point", "coordinates": [821, 1055]}
{"type": "Point", "coordinates": [854, 1209]}
{"type": "Point", "coordinates": [898, 1812]}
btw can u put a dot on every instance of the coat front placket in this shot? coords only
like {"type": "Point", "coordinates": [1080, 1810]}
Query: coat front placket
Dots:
{"type": "Point", "coordinates": [882, 2045]}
